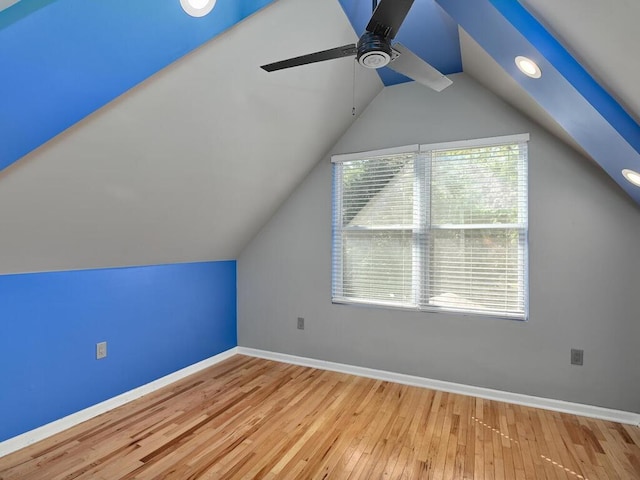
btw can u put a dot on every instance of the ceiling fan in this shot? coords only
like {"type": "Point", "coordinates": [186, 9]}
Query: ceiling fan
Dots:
{"type": "Point", "coordinates": [374, 49]}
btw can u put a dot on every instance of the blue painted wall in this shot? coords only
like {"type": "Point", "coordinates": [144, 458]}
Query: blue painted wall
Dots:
{"type": "Point", "coordinates": [156, 320]}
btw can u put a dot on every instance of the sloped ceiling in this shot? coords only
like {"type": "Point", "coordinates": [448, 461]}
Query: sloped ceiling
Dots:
{"type": "Point", "coordinates": [603, 37]}
{"type": "Point", "coordinates": [188, 164]}
{"type": "Point", "coordinates": [566, 91]}
{"type": "Point", "coordinates": [67, 58]}
{"type": "Point", "coordinates": [486, 71]}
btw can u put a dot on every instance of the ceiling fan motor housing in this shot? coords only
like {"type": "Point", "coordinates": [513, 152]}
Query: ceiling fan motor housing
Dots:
{"type": "Point", "coordinates": [374, 50]}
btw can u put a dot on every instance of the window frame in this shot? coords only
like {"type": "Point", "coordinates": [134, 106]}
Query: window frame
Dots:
{"type": "Point", "coordinates": [421, 233]}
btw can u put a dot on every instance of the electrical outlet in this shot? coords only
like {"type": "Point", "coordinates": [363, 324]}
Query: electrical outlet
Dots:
{"type": "Point", "coordinates": [101, 350]}
{"type": "Point", "coordinates": [577, 356]}
{"type": "Point", "coordinates": [300, 323]}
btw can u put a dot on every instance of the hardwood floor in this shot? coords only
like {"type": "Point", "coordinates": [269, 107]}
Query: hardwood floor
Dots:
{"type": "Point", "coordinates": [253, 418]}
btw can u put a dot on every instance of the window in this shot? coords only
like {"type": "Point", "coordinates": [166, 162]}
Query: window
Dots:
{"type": "Point", "coordinates": [433, 227]}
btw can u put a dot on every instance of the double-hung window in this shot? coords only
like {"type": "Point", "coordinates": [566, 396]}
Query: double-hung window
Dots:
{"type": "Point", "coordinates": [433, 227]}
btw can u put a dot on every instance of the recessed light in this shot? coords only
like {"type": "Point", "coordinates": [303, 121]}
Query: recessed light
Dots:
{"type": "Point", "coordinates": [632, 176]}
{"type": "Point", "coordinates": [197, 8]}
{"type": "Point", "coordinates": [528, 67]}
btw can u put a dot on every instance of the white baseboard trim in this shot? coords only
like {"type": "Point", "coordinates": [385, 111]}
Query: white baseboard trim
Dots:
{"type": "Point", "coordinates": [486, 393]}
{"type": "Point", "coordinates": [45, 431]}
{"type": "Point", "coordinates": [40, 433]}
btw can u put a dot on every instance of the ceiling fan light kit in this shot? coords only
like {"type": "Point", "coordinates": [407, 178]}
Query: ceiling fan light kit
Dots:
{"type": "Point", "coordinates": [374, 49]}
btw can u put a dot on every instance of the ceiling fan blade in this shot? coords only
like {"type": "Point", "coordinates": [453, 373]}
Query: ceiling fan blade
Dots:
{"type": "Point", "coordinates": [409, 64]}
{"type": "Point", "coordinates": [388, 16]}
{"type": "Point", "coordinates": [339, 52]}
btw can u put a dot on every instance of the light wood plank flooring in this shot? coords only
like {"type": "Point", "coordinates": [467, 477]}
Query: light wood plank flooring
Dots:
{"type": "Point", "coordinates": [253, 418]}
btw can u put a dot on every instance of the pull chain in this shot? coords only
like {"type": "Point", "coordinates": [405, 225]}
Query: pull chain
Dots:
{"type": "Point", "coordinates": [353, 109]}
{"type": "Point", "coordinates": [374, 4]}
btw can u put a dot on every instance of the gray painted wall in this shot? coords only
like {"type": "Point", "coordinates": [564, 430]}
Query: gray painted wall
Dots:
{"type": "Point", "coordinates": [584, 269]}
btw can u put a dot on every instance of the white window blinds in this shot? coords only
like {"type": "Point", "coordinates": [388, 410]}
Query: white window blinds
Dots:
{"type": "Point", "coordinates": [440, 228]}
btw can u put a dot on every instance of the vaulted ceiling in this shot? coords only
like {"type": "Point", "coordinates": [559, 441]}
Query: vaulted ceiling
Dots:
{"type": "Point", "coordinates": [134, 112]}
